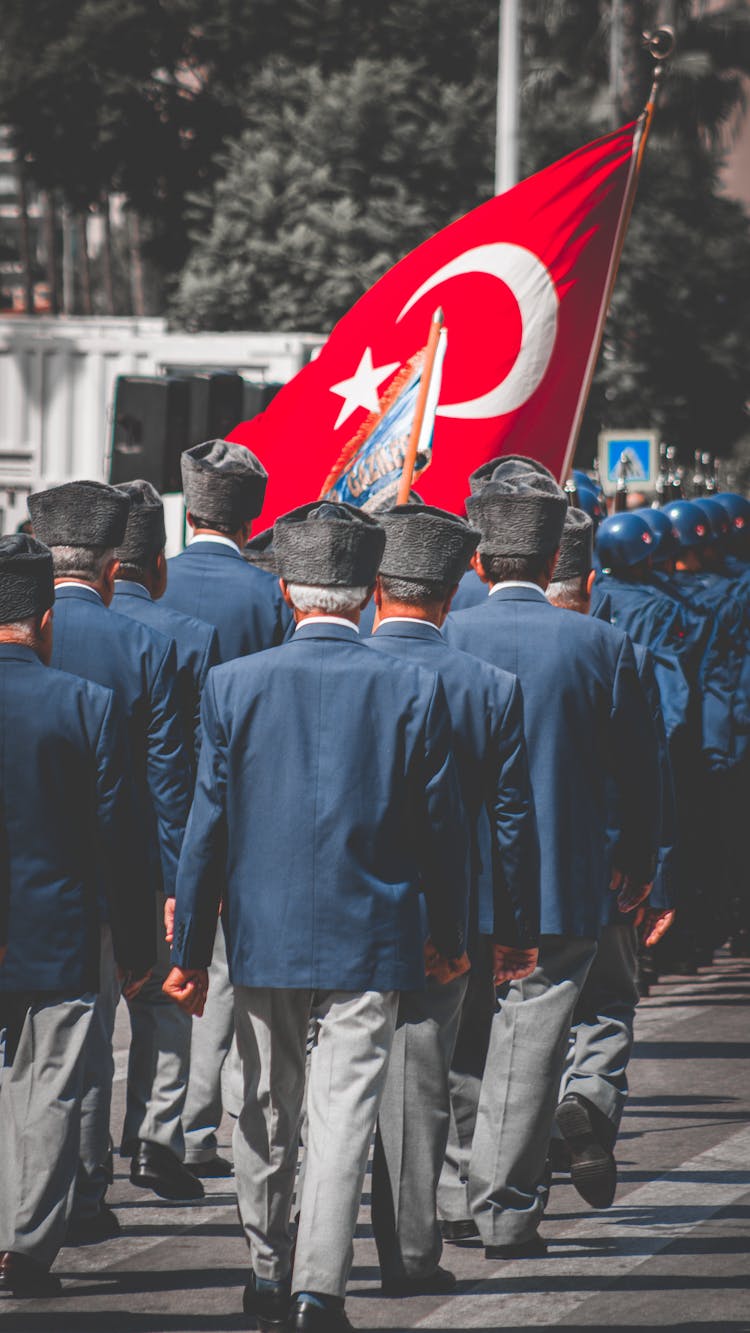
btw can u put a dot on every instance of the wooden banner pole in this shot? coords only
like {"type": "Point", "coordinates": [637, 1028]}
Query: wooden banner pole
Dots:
{"type": "Point", "coordinates": [410, 458]}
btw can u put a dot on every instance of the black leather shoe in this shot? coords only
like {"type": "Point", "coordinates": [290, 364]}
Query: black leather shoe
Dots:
{"type": "Point", "coordinates": [156, 1168]}
{"type": "Point", "coordinates": [436, 1283]}
{"type": "Point", "coordinates": [590, 1138]}
{"type": "Point", "coordinates": [22, 1276]}
{"type": "Point", "coordinates": [534, 1248]}
{"type": "Point", "coordinates": [217, 1168]}
{"type": "Point", "coordinates": [308, 1318]}
{"type": "Point", "coordinates": [463, 1230]}
{"type": "Point", "coordinates": [91, 1230]}
{"type": "Point", "coordinates": [267, 1309]}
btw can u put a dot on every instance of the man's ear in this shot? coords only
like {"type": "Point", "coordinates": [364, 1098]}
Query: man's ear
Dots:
{"type": "Point", "coordinates": [45, 623]}
{"type": "Point", "coordinates": [285, 593]}
{"type": "Point", "coordinates": [590, 582]}
{"type": "Point", "coordinates": [377, 594]}
{"type": "Point", "coordinates": [190, 520]}
{"type": "Point", "coordinates": [478, 567]}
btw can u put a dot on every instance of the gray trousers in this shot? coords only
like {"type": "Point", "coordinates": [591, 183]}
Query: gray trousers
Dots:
{"type": "Point", "coordinates": [465, 1081]}
{"type": "Point", "coordinates": [602, 1035]}
{"type": "Point", "coordinates": [413, 1130]}
{"type": "Point", "coordinates": [346, 1078]}
{"type": "Point", "coordinates": [95, 1164]}
{"type": "Point", "coordinates": [159, 1058]}
{"type": "Point", "coordinates": [210, 1042]}
{"type": "Point", "coordinates": [40, 1114]}
{"type": "Point", "coordinates": [519, 1090]}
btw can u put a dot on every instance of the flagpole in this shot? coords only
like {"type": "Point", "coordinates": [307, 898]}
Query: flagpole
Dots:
{"type": "Point", "coordinates": [660, 45]}
{"type": "Point", "coordinates": [410, 457]}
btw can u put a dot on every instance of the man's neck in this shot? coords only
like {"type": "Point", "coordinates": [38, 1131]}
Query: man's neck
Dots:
{"type": "Point", "coordinates": [212, 535]}
{"type": "Point", "coordinates": [136, 583]}
{"type": "Point", "coordinates": [350, 618]}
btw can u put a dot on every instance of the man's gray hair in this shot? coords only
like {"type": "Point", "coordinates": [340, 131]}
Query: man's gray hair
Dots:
{"type": "Point", "coordinates": [413, 593]}
{"type": "Point", "coordinates": [568, 592]}
{"type": "Point", "coordinates": [335, 601]}
{"type": "Point", "coordinates": [21, 631]}
{"type": "Point", "coordinates": [87, 563]}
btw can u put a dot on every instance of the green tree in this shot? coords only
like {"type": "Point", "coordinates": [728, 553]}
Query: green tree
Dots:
{"type": "Point", "coordinates": [338, 177]}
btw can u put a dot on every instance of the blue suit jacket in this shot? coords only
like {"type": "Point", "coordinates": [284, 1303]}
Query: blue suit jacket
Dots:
{"type": "Point", "coordinates": [196, 646]}
{"type": "Point", "coordinates": [650, 617]}
{"type": "Point", "coordinates": [587, 725]}
{"type": "Point", "coordinates": [66, 828]}
{"type": "Point", "coordinates": [214, 583]}
{"type": "Point", "coordinates": [486, 709]}
{"type": "Point", "coordinates": [471, 591]}
{"type": "Point", "coordinates": [724, 675]}
{"type": "Point", "coordinates": [139, 664]}
{"type": "Point", "coordinates": [326, 799]}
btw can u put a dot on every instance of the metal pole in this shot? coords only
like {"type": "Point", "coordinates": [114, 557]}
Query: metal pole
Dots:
{"type": "Point", "coordinates": [615, 63]}
{"type": "Point", "coordinates": [509, 59]}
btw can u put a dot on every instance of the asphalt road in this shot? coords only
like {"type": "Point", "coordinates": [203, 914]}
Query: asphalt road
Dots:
{"type": "Point", "coordinates": [673, 1252]}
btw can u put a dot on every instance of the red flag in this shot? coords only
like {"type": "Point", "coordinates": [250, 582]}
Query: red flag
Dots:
{"type": "Point", "coordinates": [523, 282]}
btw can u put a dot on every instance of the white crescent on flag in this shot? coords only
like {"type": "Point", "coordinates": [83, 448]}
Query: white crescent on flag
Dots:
{"type": "Point", "coordinates": [534, 291]}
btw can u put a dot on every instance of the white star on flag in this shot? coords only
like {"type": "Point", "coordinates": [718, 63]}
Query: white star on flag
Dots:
{"type": "Point", "coordinates": [361, 389]}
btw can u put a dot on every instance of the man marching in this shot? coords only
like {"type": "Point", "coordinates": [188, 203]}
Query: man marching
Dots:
{"type": "Point", "coordinates": [326, 799]}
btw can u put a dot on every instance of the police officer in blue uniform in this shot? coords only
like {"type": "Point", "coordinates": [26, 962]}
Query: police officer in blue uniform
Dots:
{"type": "Point", "coordinates": [224, 486]}
{"type": "Point", "coordinates": [426, 552]}
{"type": "Point", "coordinates": [160, 1046]}
{"type": "Point", "coordinates": [84, 522]}
{"type": "Point", "coordinates": [319, 867]}
{"type": "Point", "coordinates": [65, 834]}
{"type": "Point", "coordinates": [587, 731]}
{"type": "Point", "coordinates": [595, 1087]}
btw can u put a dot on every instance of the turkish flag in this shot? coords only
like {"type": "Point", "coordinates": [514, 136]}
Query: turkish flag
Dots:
{"type": "Point", "coordinates": [522, 280]}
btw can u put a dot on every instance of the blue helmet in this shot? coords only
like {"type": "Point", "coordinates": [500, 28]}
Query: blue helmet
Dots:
{"type": "Point", "coordinates": [719, 524]}
{"type": "Point", "coordinates": [583, 479]}
{"type": "Point", "coordinates": [665, 545]}
{"type": "Point", "coordinates": [689, 524]}
{"type": "Point", "coordinates": [623, 540]}
{"type": "Point", "coordinates": [737, 509]}
{"type": "Point", "coordinates": [589, 502]}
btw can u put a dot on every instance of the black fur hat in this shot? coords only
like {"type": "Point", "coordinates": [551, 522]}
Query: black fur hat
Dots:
{"type": "Point", "coordinates": [506, 468]}
{"type": "Point", "coordinates": [259, 551]}
{"type": "Point", "coordinates": [145, 534]}
{"type": "Point", "coordinates": [426, 545]}
{"type": "Point", "coordinates": [328, 545]}
{"type": "Point", "coordinates": [576, 548]}
{"type": "Point", "coordinates": [223, 483]}
{"type": "Point", "coordinates": [519, 517]}
{"type": "Point", "coordinates": [27, 585]}
{"type": "Point", "coordinates": [80, 513]}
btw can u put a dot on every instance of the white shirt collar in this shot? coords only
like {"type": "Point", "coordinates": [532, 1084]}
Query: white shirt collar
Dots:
{"type": "Point", "coordinates": [213, 537]}
{"type": "Point", "coordinates": [408, 620]}
{"type": "Point", "coordinates": [327, 620]}
{"type": "Point", "coordinates": [516, 583]}
{"type": "Point", "coordinates": [78, 583]}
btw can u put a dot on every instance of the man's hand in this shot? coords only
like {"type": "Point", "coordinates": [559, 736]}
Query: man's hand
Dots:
{"type": "Point", "coordinates": [130, 984]}
{"type": "Point", "coordinates": [169, 906]}
{"type": "Point", "coordinates": [441, 969]}
{"type": "Point", "coordinates": [512, 964]}
{"type": "Point", "coordinates": [188, 987]}
{"type": "Point", "coordinates": [654, 922]}
{"type": "Point", "coordinates": [630, 893]}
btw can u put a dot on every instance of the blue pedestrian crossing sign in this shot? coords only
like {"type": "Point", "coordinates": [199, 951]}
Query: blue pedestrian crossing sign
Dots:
{"type": "Point", "coordinates": [633, 455]}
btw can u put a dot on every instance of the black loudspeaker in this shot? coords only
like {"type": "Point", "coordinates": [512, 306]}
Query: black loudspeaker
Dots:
{"type": "Point", "coordinates": [256, 398]}
{"type": "Point", "coordinates": [216, 405]}
{"type": "Point", "coordinates": [150, 431]}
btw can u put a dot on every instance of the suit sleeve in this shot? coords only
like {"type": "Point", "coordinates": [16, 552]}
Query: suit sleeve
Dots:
{"type": "Point", "coordinates": [4, 878]}
{"type": "Point", "coordinates": [510, 806]}
{"type": "Point", "coordinates": [201, 876]}
{"type": "Point", "coordinates": [121, 856]}
{"type": "Point", "coordinates": [445, 840]}
{"type": "Point", "coordinates": [168, 768]}
{"type": "Point", "coordinates": [211, 659]}
{"type": "Point", "coordinates": [635, 770]}
{"type": "Point", "coordinates": [662, 893]}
